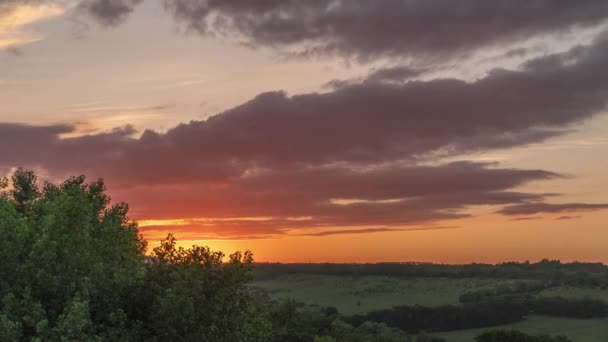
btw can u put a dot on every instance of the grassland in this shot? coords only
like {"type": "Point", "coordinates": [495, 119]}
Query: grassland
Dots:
{"type": "Point", "coordinates": [352, 295]}
{"type": "Point", "coordinates": [578, 330]}
{"type": "Point", "coordinates": [576, 292]}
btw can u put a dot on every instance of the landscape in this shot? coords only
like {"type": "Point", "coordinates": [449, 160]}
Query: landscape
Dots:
{"type": "Point", "coordinates": [303, 171]}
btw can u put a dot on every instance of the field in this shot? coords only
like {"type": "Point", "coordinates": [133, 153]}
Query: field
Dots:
{"type": "Point", "coordinates": [576, 292]}
{"type": "Point", "coordinates": [351, 295]}
{"type": "Point", "coordinates": [578, 330]}
{"type": "Point", "coordinates": [362, 294]}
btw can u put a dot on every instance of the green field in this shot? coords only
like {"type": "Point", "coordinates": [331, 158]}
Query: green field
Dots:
{"type": "Point", "coordinates": [578, 330]}
{"type": "Point", "coordinates": [576, 292]}
{"type": "Point", "coordinates": [361, 294]}
{"type": "Point", "coordinates": [352, 295]}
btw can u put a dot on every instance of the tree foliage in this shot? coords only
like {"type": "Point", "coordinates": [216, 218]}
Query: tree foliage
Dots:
{"type": "Point", "coordinates": [73, 268]}
{"type": "Point", "coordinates": [517, 336]}
{"type": "Point", "coordinates": [417, 318]}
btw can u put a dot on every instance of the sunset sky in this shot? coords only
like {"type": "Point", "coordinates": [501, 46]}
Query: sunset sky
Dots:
{"type": "Point", "coordinates": [323, 131]}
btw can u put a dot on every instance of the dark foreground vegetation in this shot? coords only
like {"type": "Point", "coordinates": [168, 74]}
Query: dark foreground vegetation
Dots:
{"type": "Point", "coordinates": [516, 336]}
{"type": "Point", "coordinates": [73, 267]}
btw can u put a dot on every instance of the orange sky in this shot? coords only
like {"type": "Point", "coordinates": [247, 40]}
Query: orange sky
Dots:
{"type": "Point", "coordinates": [487, 239]}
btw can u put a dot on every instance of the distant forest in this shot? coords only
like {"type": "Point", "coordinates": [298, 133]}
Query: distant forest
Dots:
{"type": "Point", "coordinates": [575, 273]}
{"type": "Point", "coordinates": [73, 267]}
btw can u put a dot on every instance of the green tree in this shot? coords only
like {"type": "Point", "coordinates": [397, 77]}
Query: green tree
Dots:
{"type": "Point", "coordinates": [199, 285]}
{"type": "Point", "coordinates": [73, 268]}
{"type": "Point", "coordinates": [516, 336]}
{"type": "Point", "coordinates": [324, 339]}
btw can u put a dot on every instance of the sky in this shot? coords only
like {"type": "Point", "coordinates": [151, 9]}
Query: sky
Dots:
{"type": "Point", "coordinates": [323, 130]}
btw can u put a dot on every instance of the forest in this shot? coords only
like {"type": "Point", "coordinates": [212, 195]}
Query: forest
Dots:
{"type": "Point", "coordinates": [74, 267]}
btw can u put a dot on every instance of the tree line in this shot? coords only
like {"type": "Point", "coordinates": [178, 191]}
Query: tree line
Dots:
{"type": "Point", "coordinates": [550, 271]}
{"type": "Point", "coordinates": [517, 336]}
{"type": "Point", "coordinates": [527, 294]}
{"type": "Point", "coordinates": [414, 319]}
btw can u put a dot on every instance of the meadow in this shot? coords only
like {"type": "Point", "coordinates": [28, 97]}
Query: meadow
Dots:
{"type": "Point", "coordinates": [361, 294]}
{"type": "Point", "coordinates": [352, 295]}
{"type": "Point", "coordinates": [576, 292]}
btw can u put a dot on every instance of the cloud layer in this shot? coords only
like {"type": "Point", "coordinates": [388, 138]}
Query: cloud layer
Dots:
{"type": "Point", "coordinates": [108, 12]}
{"type": "Point", "coordinates": [435, 29]}
{"type": "Point", "coordinates": [366, 153]}
{"type": "Point", "coordinates": [538, 208]}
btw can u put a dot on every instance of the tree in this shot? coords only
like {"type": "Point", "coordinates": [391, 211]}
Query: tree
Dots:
{"type": "Point", "coordinates": [196, 283]}
{"type": "Point", "coordinates": [25, 189]}
{"type": "Point", "coordinates": [516, 336]}
{"type": "Point", "coordinates": [73, 267]}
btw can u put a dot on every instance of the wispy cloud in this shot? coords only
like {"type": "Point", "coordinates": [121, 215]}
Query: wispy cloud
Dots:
{"type": "Point", "coordinates": [527, 218]}
{"type": "Point", "coordinates": [98, 117]}
{"type": "Point", "coordinates": [16, 17]}
{"type": "Point", "coordinates": [372, 230]}
{"type": "Point", "coordinates": [541, 207]}
{"type": "Point", "coordinates": [568, 217]}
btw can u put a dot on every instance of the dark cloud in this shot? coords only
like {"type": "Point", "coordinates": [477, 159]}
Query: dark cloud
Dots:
{"type": "Point", "coordinates": [528, 218]}
{"type": "Point", "coordinates": [517, 52]}
{"type": "Point", "coordinates": [14, 50]}
{"type": "Point", "coordinates": [30, 142]}
{"type": "Point", "coordinates": [376, 122]}
{"type": "Point", "coordinates": [433, 29]}
{"type": "Point", "coordinates": [365, 154]}
{"type": "Point", "coordinates": [540, 207]}
{"type": "Point", "coordinates": [108, 12]}
{"type": "Point", "coordinates": [395, 74]}
{"type": "Point", "coordinates": [566, 217]}
{"type": "Point", "coordinates": [287, 201]}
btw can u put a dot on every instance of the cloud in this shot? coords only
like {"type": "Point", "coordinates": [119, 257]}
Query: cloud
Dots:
{"type": "Point", "coordinates": [568, 217]}
{"type": "Point", "coordinates": [370, 230]}
{"type": "Point", "coordinates": [196, 232]}
{"type": "Point", "coordinates": [398, 73]}
{"type": "Point", "coordinates": [434, 30]}
{"type": "Point", "coordinates": [429, 31]}
{"type": "Point", "coordinates": [527, 218]}
{"type": "Point", "coordinates": [540, 207]}
{"type": "Point", "coordinates": [389, 195]}
{"type": "Point", "coordinates": [108, 12]}
{"type": "Point", "coordinates": [14, 50]}
{"type": "Point", "coordinates": [364, 154]}
{"type": "Point", "coordinates": [351, 231]}
{"type": "Point", "coordinates": [15, 16]}
{"type": "Point", "coordinates": [374, 123]}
